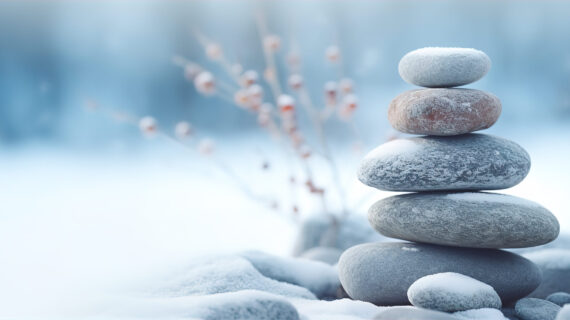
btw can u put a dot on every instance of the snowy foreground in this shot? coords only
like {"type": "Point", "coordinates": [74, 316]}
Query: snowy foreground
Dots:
{"type": "Point", "coordinates": [81, 234]}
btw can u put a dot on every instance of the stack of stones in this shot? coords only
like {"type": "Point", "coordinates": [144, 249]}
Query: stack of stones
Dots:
{"type": "Point", "coordinates": [452, 226]}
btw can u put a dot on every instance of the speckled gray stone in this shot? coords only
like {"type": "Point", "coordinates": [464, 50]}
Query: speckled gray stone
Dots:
{"type": "Point", "coordinates": [443, 112]}
{"type": "Point", "coordinates": [555, 267]}
{"type": "Point", "coordinates": [413, 313]}
{"type": "Point", "coordinates": [559, 298]}
{"type": "Point", "coordinates": [464, 219]}
{"type": "Point", "coordinates": [452, 292]}
{"type": "Point", "coordinates": [381, 273]}
{"type": "Point", "coordinates": [536, 309]}
{"type": "Point", "coordinates": [466, 162]}
{"type": "Point", "coordinates": [444, 67]}
{"type": "Point", "coordinates": [564, 313]}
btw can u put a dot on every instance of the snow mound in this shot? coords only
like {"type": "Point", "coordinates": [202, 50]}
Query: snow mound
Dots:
{"type": "Point", "coordinates": [336, 309]}
{"type": "Point", "coordinates": [491, 197]}
{"type": "Point", "coordinates": [240, 305]}
{"type": "Point", "coordinates": [481, 314]}
{"type": "Point", "coordinates": [451, 292]}
{"type": "Point", "coordinates": [318, 277]}
{"type": "Point", "coordinates": [227, 274]}
{"type": "Point", "coordinates": [550, 258]}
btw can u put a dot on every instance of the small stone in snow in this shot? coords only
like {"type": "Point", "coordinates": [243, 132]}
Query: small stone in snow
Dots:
{"type": "Point", "coordinates": [536, 309]}
{"type": "Point", "coordinates": [451, 292]}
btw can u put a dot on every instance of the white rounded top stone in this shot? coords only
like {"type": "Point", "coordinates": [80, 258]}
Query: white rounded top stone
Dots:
{"type": "Point", "coordinates": [452, 292]}
{"type": "Point", "coordinates": [436, 67]}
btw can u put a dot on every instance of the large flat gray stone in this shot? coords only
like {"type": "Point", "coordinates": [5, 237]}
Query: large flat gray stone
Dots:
{"type": "Point", "coordinates": [430, 163]}
{"type": "Point", "coordinates": [381, 273]}
{"type": "Point", "coordinates": [465, 219]}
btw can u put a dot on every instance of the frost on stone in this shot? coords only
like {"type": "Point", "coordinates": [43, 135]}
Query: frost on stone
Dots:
{"type": "Point", "coordinates": [318, 277]}
{"type": "Point", "coordinates": [550, 258]}
{"type": "Point", "coordinates": [480, 314]}
{"type": "Point", "coordinates": [228, 274]}
{"type": "Point", "coordinates": [451, 291]}
{"type": "Point", "coordinates": [491, 198]}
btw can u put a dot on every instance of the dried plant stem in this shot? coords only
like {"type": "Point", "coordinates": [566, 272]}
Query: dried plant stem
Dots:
{"type": "Point", "coordinates": [305, 100]}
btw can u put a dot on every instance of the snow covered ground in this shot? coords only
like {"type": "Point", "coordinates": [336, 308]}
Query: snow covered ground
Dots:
{"type": "Point", "coordinates": [76, 228]}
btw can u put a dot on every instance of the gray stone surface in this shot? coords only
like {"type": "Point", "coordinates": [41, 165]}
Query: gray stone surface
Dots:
{"type": "Point", "coordinates": [564, 313]}
{"type": "Point", "coordinates": [325, 230]}
{"type": "Point", "coordinates": [443, 67]}
{"type": "Point", "coordinates": [430, 163]}
{"type": "Point", "coordinates": [536, 309]}
{"type": "Point", "coordinates": [465, 219]}
{"type": "Point", "coordinates": [555, 267]}
{"type": "Point", "coordinates": [327, 255]}
{"type": "Point", "coordinates": [413, 313]}
{"type": "Point", "coordinates": [381, 273]}
{"type": "Point", "coordinates": [452, 292]}
{"type": "Point", "coordinates": [443, 112]}
{"type": "Point", "coordinates": [559, 298]}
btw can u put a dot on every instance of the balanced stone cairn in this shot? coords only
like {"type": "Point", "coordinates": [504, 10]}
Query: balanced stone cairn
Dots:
{"type": "Point", "coordinates": [453, 227]}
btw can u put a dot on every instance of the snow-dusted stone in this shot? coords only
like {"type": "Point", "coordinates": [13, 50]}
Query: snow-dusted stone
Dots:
{"type": "Point", "coordinates": [555, 267]}
{"type": "Point", "coordinates": [536, 309]}
{"type": "Point", "coordinates": [327, 255]}
{"type": "Point", "coordinates": [381, 273]}
{"type": "Point", "coordinates": [564, 313]}
{"type": "Point", "coordinates": [480, 314]}
{"type": "Point", "coordinates": [325, 230]}
{"type": "Point", "coordinates": [240, 305]}
{"type": "Point", "coordinates": [443, 112]}
{"type": "Point", "coordinates": [444, 67]}
{"type": "Point", "coordinates": [318, 277]}
{"type": "Point", "coordinates": [413, 313]}
{"type": "Point", "coordinates": [451, 292]}
{"type": "Point", "coordinates": [466, 219]}
{"type": "Point", "coordinates": [227, 274]}
{"type": "Point", "coordinates": [465, 162]}
{"type": "Point", "coordinates": [559, 298]}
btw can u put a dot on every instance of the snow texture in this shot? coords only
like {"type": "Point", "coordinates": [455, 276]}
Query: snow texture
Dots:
{"type": "Point", "coordinates": [564, 313]}
{"type": "Point", "coordinates": [443, 67]}
{"type": "Point", "coordinates": [452, 292]}
{"type": "Point", "coordinates": [413, 313]}
{"type": "Point", "coordinates": [536, 309]}
{"type": "Point", "coordinates": [227, 274]}
{"type": "Point", "coordinates": [480, 314]}
{"type": "Point", "coordinates": [318, 277]}
{"type": "Point", "coordinates": [321, 309]}
{"type": "Point", "coordinates": [443, 112]}
{"type": "Point", "coordinates": [240, 305]}
{"type": "Point", "coordinates": [431, 163]}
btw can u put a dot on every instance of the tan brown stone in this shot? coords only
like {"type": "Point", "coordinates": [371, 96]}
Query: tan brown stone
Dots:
{"type": "Point", "coordinates": [443, 112]}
